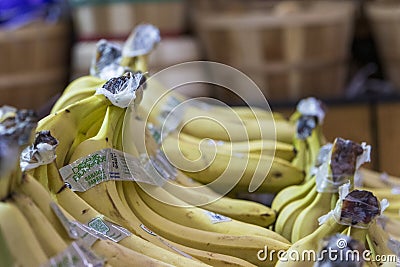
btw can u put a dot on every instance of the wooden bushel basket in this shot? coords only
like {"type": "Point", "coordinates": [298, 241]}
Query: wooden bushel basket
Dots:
{"type": "Point", "coordinates": [289, 49]}
{"type": "Point", "coordinates": [34, 64]}
{"type": "Point", "coordinates": [385, 18]}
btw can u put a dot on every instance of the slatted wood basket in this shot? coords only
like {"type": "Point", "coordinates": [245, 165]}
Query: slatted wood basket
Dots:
{"type": "Point", "coordinates": [34, 64]}
{"type": "Point", "coordinates": [289, 49]}
{"type": "Point", "coordinates": [385, 21]}
{"type": "Point", "coordinates": [115, 19]}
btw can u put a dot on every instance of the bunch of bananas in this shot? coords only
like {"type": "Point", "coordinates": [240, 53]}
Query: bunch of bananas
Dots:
{"type": "Point", "coordinates": [384, 186]}
{"type": "Point", "coordinates": [122, 173]}
{"type": "Point", "coordinates": [355, 216]}
{"type": "Point", "coordinates": [170, 232]}
{"type": "Point", "coordinates": [271, 156]}
{"type": "Point", "coordinates": [300, 206]}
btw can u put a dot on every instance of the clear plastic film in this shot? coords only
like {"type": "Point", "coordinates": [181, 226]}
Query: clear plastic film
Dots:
{"type": "Point", "coordinates": [142, 41]}
{"type": "Point", "coordinates": [158, 166]}
{"type": "Point", "coordinates": [77, 254]}
{"type": "Point", "coordinates": [106, 61]}
{"type": "Point", "coordinates": [340, 166]}
{"type": "Point", "coordinates": [312, 107]}
{"type": "Point", "coordinates": [97, 228]}
{"type": "Point", "coordinates": [322, 157]}
{"type": "Point", "coordinates": [171, 115]}
{"type": "Point", "coordinates": [41, 152]}
{"type": "Point", "coordinates": [7, 112]}
{"type": "Point", "coordinates": [357, 208]}
{"type": "Point", "coordinates": [122, 90]}
{"type": "Point", "coordinates": [106, 165]}
{"type": "Point", "coordinates": [17, 124]}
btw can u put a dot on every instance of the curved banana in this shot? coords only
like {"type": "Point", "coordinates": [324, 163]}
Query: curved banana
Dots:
{"type": "Point", "coordinates": [207, 257]}
{"type": "Point", "coordinates": [189, 190]}
{"type": "Point", "coordinates": [6, 258]}
{"type": "Point", "coordinates": [206, 127]}
{"type": "Point", "coordinates": [156, 96]}
{"type": "Point", "coordinates": [51, 242]}
{"type": "Point", "coordinates": [378, 241]}
{"type": "Point", "coordinates": [198, 218]}
{"type": "Point", "coordinates": [287, 217]}
{"type": "Point", "coordinates": [118, 255]}
{"type": "Point", "coordinates": [110, 205]}
{"type": "Point", "coordinates": [206, 168]}
{"type": "Point", "coordinates": [311, 242]}
{"type": "Point", "coordinates": [307, 220]}
{"type": "Point", "coordinates": [266, 147]}
{"type": "Point", "coordinates": [77, 90]}
{"type": "Point", "coordinates": [242, 210]}
{"type": "Point", "coordinates": [65, 124]}
{"type": "Point", "coordinates": [245, 247]}
{"type": "Point", "coordinates": [292, 193]}
{"type": "Point", "coordinates": [374, 179]}
{"type": "Point", "coordinates": [19, 237]}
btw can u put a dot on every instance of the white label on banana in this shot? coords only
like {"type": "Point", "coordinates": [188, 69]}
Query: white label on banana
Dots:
{"type": "Point", "coordinates": [77, 255]}
{"type": "Point", "coordinates": [105, 165]}
{"type": "Point", "coordinates": [109, 230]}
{"type": "Point", "coordinates": [216, 218]}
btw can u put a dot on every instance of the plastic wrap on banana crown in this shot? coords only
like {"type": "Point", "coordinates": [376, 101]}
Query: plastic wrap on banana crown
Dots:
{"type": "Point", "coordinates": [142, 41]}
{"type": "Point", "coordinates": [310, 112]}
{"type": "Point", "coordinates": [341, 164]}
{"type": "Point", "coordinates": [122, 90]}
{"type": "Point", "coordinates": [357, 208]}
{"type": "Point", "coordinates": [18, 124]}
{"type": "Point", "coordinates": [41, 152]}
{"type": "Point", "coordinates": [106, 60]}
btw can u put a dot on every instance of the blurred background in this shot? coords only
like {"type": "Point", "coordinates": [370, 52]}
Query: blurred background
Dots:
{"type": "Point", "coordinates": [346, 53]}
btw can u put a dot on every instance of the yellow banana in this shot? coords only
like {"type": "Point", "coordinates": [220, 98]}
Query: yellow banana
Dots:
{"type": "Point", "coordinates": [206, 168]}
{"type": "Point", "coordinates": [307, 220]}
{"type": "Point", "coordinates": [238, 209]}
{"type": "Point", "coordinates": [292, 193]}
{"type": "Point", "coordinates": [374, 179]}
{"type": "Point", "coordinates": [49, 239]}
{"type": "Point", "coordinates": [378, 241]}
{"type": "Point", "coordinates": [155, 98]}
{"type": "Point", "coordinates": [189, 190]}
{"type": "Point", "coordinates": [311, 242]}
{"type": "Point", "coordinates": [206, 127]}
{"type": "Point", "coordinates": [198, 218]}
{"type": "Point", "coordinates": [110, 205]}
{"type": "Point", "coordinates": [19, 237]}
{"type": "Point", "coordinates": [6, 258]}
{"type": "Point", "coordinates": [65, 124]}
{"type": "Point", "coordinates": [268, 147]}
{"type": "Point", "coordinates": [287, 217]}
{"type": "Point", "coordinates": [118, 255]}
{"type": "Point", "coordinates": [212, 258]}
{"type": "Point", "coordinates": [31, 187]}
{"type": "Point", "coordinates": [77, 90]}
{"type": "Point", "coordinates": [245, 247]}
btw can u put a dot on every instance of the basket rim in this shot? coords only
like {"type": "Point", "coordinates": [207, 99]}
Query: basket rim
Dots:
{"type": "Point", "coordinates": [261, 19]}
